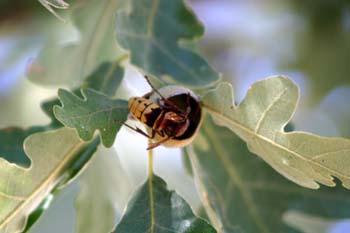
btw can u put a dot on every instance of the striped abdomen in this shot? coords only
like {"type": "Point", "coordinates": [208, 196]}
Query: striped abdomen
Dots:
{"type": "Point", "coordinates": [144, 110]}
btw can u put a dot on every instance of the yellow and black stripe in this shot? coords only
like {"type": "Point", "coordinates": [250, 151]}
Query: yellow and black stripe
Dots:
{"type": "Point", "coordinates": [144, 110]}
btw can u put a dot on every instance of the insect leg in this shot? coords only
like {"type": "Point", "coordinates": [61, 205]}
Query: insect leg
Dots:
{"type": "Point", "coordinates": [160, 133]}
{"type": "Point", "coordinates": [154, 145]}
{"type": "Point", "coordinates": [138, 130]}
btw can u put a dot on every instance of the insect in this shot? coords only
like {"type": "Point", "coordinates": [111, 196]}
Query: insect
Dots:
{"type": "Point", "coordinates": [170, 123]}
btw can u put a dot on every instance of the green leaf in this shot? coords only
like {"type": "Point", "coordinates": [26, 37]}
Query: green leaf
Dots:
{"type": "Point", "coordinates": [70, 63]}
{"type": "Point", "coordinates": [104, 190]}
{"type": "Point", "coordinates": [60, 4]}
{"type": "Point", "coordinates": [241, 193]}
{"type": "Point", "coordinates": [187, 163]}
{"type": "Point", "coordinates": [22, 190]}
{"type": "Point", "coordinates": [106, 78]}
{"type": "Point", "coordinates": [38, 212]}
{"type": "Point", "coordinates": [95, 112]}
{"type": "Point", "coordinates": [154, 208]}
{"type": "Point", "coordinates": [152, 32]}
{"type": "Point", "coordinates": [314, 224]}
{"type": "Point", "coordinates": [259, 120]}
{"type": "Point", "coordinates": [321, 50]}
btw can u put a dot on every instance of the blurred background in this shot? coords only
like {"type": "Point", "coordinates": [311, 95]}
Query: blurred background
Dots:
{"type": "Point", "coordinates": [245, 40]}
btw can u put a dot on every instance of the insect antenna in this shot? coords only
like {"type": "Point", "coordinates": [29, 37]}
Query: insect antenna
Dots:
{"type": "Point", "coordinates": [163, 98]}
{"type": "Point", "coordinates": [153, 88]}
{"type": "Point", "coordinates": [188, 108]}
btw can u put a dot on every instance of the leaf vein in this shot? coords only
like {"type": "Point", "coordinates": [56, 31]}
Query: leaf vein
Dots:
{"type": "Point", "coordinates": [251, 132]}
{"type": "Point", "coordinates": [230, 169]}
{"type": "Point", "coordinates": [263, 115]}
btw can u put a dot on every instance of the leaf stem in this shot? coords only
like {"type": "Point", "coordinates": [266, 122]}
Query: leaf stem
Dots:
{"type": "Point", "coordinates": [150, 186]}
{"type": "Point", "coordinates": [122, 58]}
{"type": "Point", "coordinates": [150, 160]}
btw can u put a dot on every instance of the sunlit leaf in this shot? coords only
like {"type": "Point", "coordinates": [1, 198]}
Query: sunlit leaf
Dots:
{"type": "Point", "coordinates": [154, 208]}
{"type": "Point", "coordinates": [11, 144]}
{"type": "Point", "coordinates": [52, 153]}
{"type": "Point", "coordinates": [241, 193]}
{"type": "Point", "coordinates": [106, 79]}
{"type": "Point", "coordinates": [11, 138]}
{"type": "Point", "coordinates": [94, 112]}
{"type": "Point", "coordinates": [152, 32]}
{"type": "Point", "coordinates": [259, 120]}
{"type": "Point", "coordinates": [71, 63]}
{"type": "Point", "coordinates": [104, 191]}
